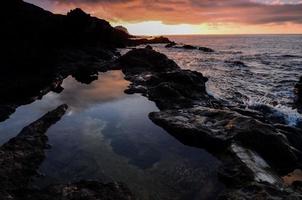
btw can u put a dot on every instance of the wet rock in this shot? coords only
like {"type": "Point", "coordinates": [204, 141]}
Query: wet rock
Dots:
{"type": "Point", "coordinates": [260, 191]}
{"type": "Point", "coordinates": [206, 49]}
{"type": "Point", "coordinates": [92, 190]}
{"type": "Point", "coordinates": [298, 93]}
{"type": "Point", "coordinates": [5, 111]}
{"type": "Point", "coordinates": [21, 156]}
{"type": "Point", "coordinates": [155, 40]}
{"type": "Point", "coordinates": [171, 44]}
{"type": "Point", "coordinates": [148, 47]}
{"type": "Point", "coordinates": [216, 130]}
{"type": "Point", "coordinates": [189, 47]}
{"type": "Point", "coordinates": [163, 81]}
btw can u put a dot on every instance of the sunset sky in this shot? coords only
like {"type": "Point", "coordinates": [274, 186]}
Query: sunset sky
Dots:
{"type": "Point", "coordinates": [157, 17]}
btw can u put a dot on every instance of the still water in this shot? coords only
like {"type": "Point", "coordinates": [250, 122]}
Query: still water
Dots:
{"type": "Point", "coordinates": [107, 135]}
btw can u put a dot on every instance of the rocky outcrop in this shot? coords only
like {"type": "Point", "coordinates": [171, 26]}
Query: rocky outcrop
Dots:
{"type": "Point", "coordinates": [189, 47]}
{"type": "Point", "coordinates": [122, 28]}
{"type": "Point", "coordinates": [41, 47]}
{"type": "Point", "coordinates": [298, 93]}
{"type": "Point", "coordinates": [163, 81]}
{"type": "Point", "coordinates": [216, 129]}
{"type": "Point", "coordinates": [147, 40]}
{"type": "Point", "coordinates": [21, 156]}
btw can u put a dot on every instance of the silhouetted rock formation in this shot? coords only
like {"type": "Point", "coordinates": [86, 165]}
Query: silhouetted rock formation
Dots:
{"type": "Point", "coordinates": [189, 47]}
{"type": "Point", "coordinates": [122, 28]}
{"type": "Point", "coordinates": [163, 81]}
{"type": "Point", "coordinates": [41, 47]}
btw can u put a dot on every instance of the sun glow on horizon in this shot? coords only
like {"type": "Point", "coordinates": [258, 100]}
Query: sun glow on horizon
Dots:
{"type": "Point", "coordinates": [154, 28]}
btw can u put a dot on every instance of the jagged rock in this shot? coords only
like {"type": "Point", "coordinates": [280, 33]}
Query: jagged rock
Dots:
{"type": "Point", "coordinates": [298, 93]}
{"type": "Point", "coordinates": [171, 44]}
{"type": "Point", "coordinates": [260, 191]}
{"type": "Point", "coordinates": [149, 47]}
{"type": "Point", "coordinates": [163, 81]}
{"type": "Point", "coordinates": [206, 49]}
{"type": "Point", "coordinates": [122, 28]}
{"type": "Point", "coordinates": [92, 190]}
{"type": "Point", "coordinates": [190, 47]}
{"type": "Point", "coordinates": [21, 156]}
{"type": "Point", "coordinates": [216, 130]}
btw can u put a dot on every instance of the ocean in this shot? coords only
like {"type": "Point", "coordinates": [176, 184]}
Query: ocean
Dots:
{"type": "Point", "coordinates": [247, 70]}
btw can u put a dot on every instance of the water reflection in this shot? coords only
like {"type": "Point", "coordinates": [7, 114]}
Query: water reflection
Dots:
{"type": "Point", "coordinates": [108, 136]}
{"type": "Point", "coordinates": [107, 88]}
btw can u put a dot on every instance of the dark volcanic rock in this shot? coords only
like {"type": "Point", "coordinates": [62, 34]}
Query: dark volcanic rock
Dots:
{"type": "Point", "coordinates": [163, 81]}
{"type": "Point", "coordinates": [189, 47]}
{"type": "Point", "coordinates": [206, 49]}
{"type": "Point", "coordinates": [122, 28]}
{"type": "Point", "coordinates": [216, 130]}
{"type": "Point", "coordinates": [21, 156]}
{"type": "Point", "coordinates": [149, 47]}
{"type": "Point", "coordinates": [298, 93]}
{"type": "Point", "coordinates": [92, 190]}
{"type": "Point", "coordinates": [171, 44]}
{"type": "Point", "coordinates": [40, 46]}
{"type": "Point", "coordinates": [155, 40]}
{"type": "Point", "coordinates": [260, 191]}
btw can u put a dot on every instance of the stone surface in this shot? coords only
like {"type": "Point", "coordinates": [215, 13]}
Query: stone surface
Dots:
{"type": "Point", "coordinates": [163, 81]}
{"type": "Point", "coordinates": [216, 129]}
{"type": "Point", "coordinates": [298, 93]}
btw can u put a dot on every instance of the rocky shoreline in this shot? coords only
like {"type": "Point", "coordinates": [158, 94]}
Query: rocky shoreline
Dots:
{"type": "Point", "coordinates": [256, 150]}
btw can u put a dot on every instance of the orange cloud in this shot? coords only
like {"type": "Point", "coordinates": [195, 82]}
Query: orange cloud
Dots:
{"type": "Point", "coordinates": [269, 13]}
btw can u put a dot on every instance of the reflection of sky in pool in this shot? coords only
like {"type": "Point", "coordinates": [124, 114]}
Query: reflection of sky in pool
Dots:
{"type": "Point", "coordinates": [107, 135]}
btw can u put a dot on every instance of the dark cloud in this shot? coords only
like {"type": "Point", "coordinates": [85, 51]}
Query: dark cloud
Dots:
{"type": "Point", "coordinates": [190, 11]}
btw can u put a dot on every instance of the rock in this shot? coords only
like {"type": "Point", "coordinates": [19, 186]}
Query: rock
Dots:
{"type": "Point", "coordinates": [21, 156]}
{"type": "Point", "coordinates": [122, 28]}
{"type": "Point", "coordinates": [31, 63]}
{"type": "Point", "coordinates": [260, 191]}
{"type": "Point", "coordinates": [163, 81]}
{"type": "Point", "coordinates": [149, 47]}
{"type": "Point", "coordinates": [171, 44]}
{"type": "Point", "coordinates": [189, 47]}
{"type": "Point", "coordinates": [155, 40]}
{"type": "Point", "coordinates": [206, 49]}
{"type": "Point", "coordinates": [216, 129]}
{"type": "Point", "coordinates": [298, 93]}
{"type": "Point", "coordinates": [92, 190]}
{"type": "Point", "coordinates": [5, 111]}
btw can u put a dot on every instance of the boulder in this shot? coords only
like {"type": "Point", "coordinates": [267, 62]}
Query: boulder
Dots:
{"type": "Point", "coordinates": [163, 81]}
{"type": "Point", "coordinates": [217, 129]}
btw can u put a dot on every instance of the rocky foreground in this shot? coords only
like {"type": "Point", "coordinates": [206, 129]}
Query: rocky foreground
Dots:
{"type": "Point", "coordinates": [256, 149]}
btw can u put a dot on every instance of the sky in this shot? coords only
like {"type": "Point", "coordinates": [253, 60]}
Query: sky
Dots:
{"type": "Point", "coordinates": [166, 17]}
